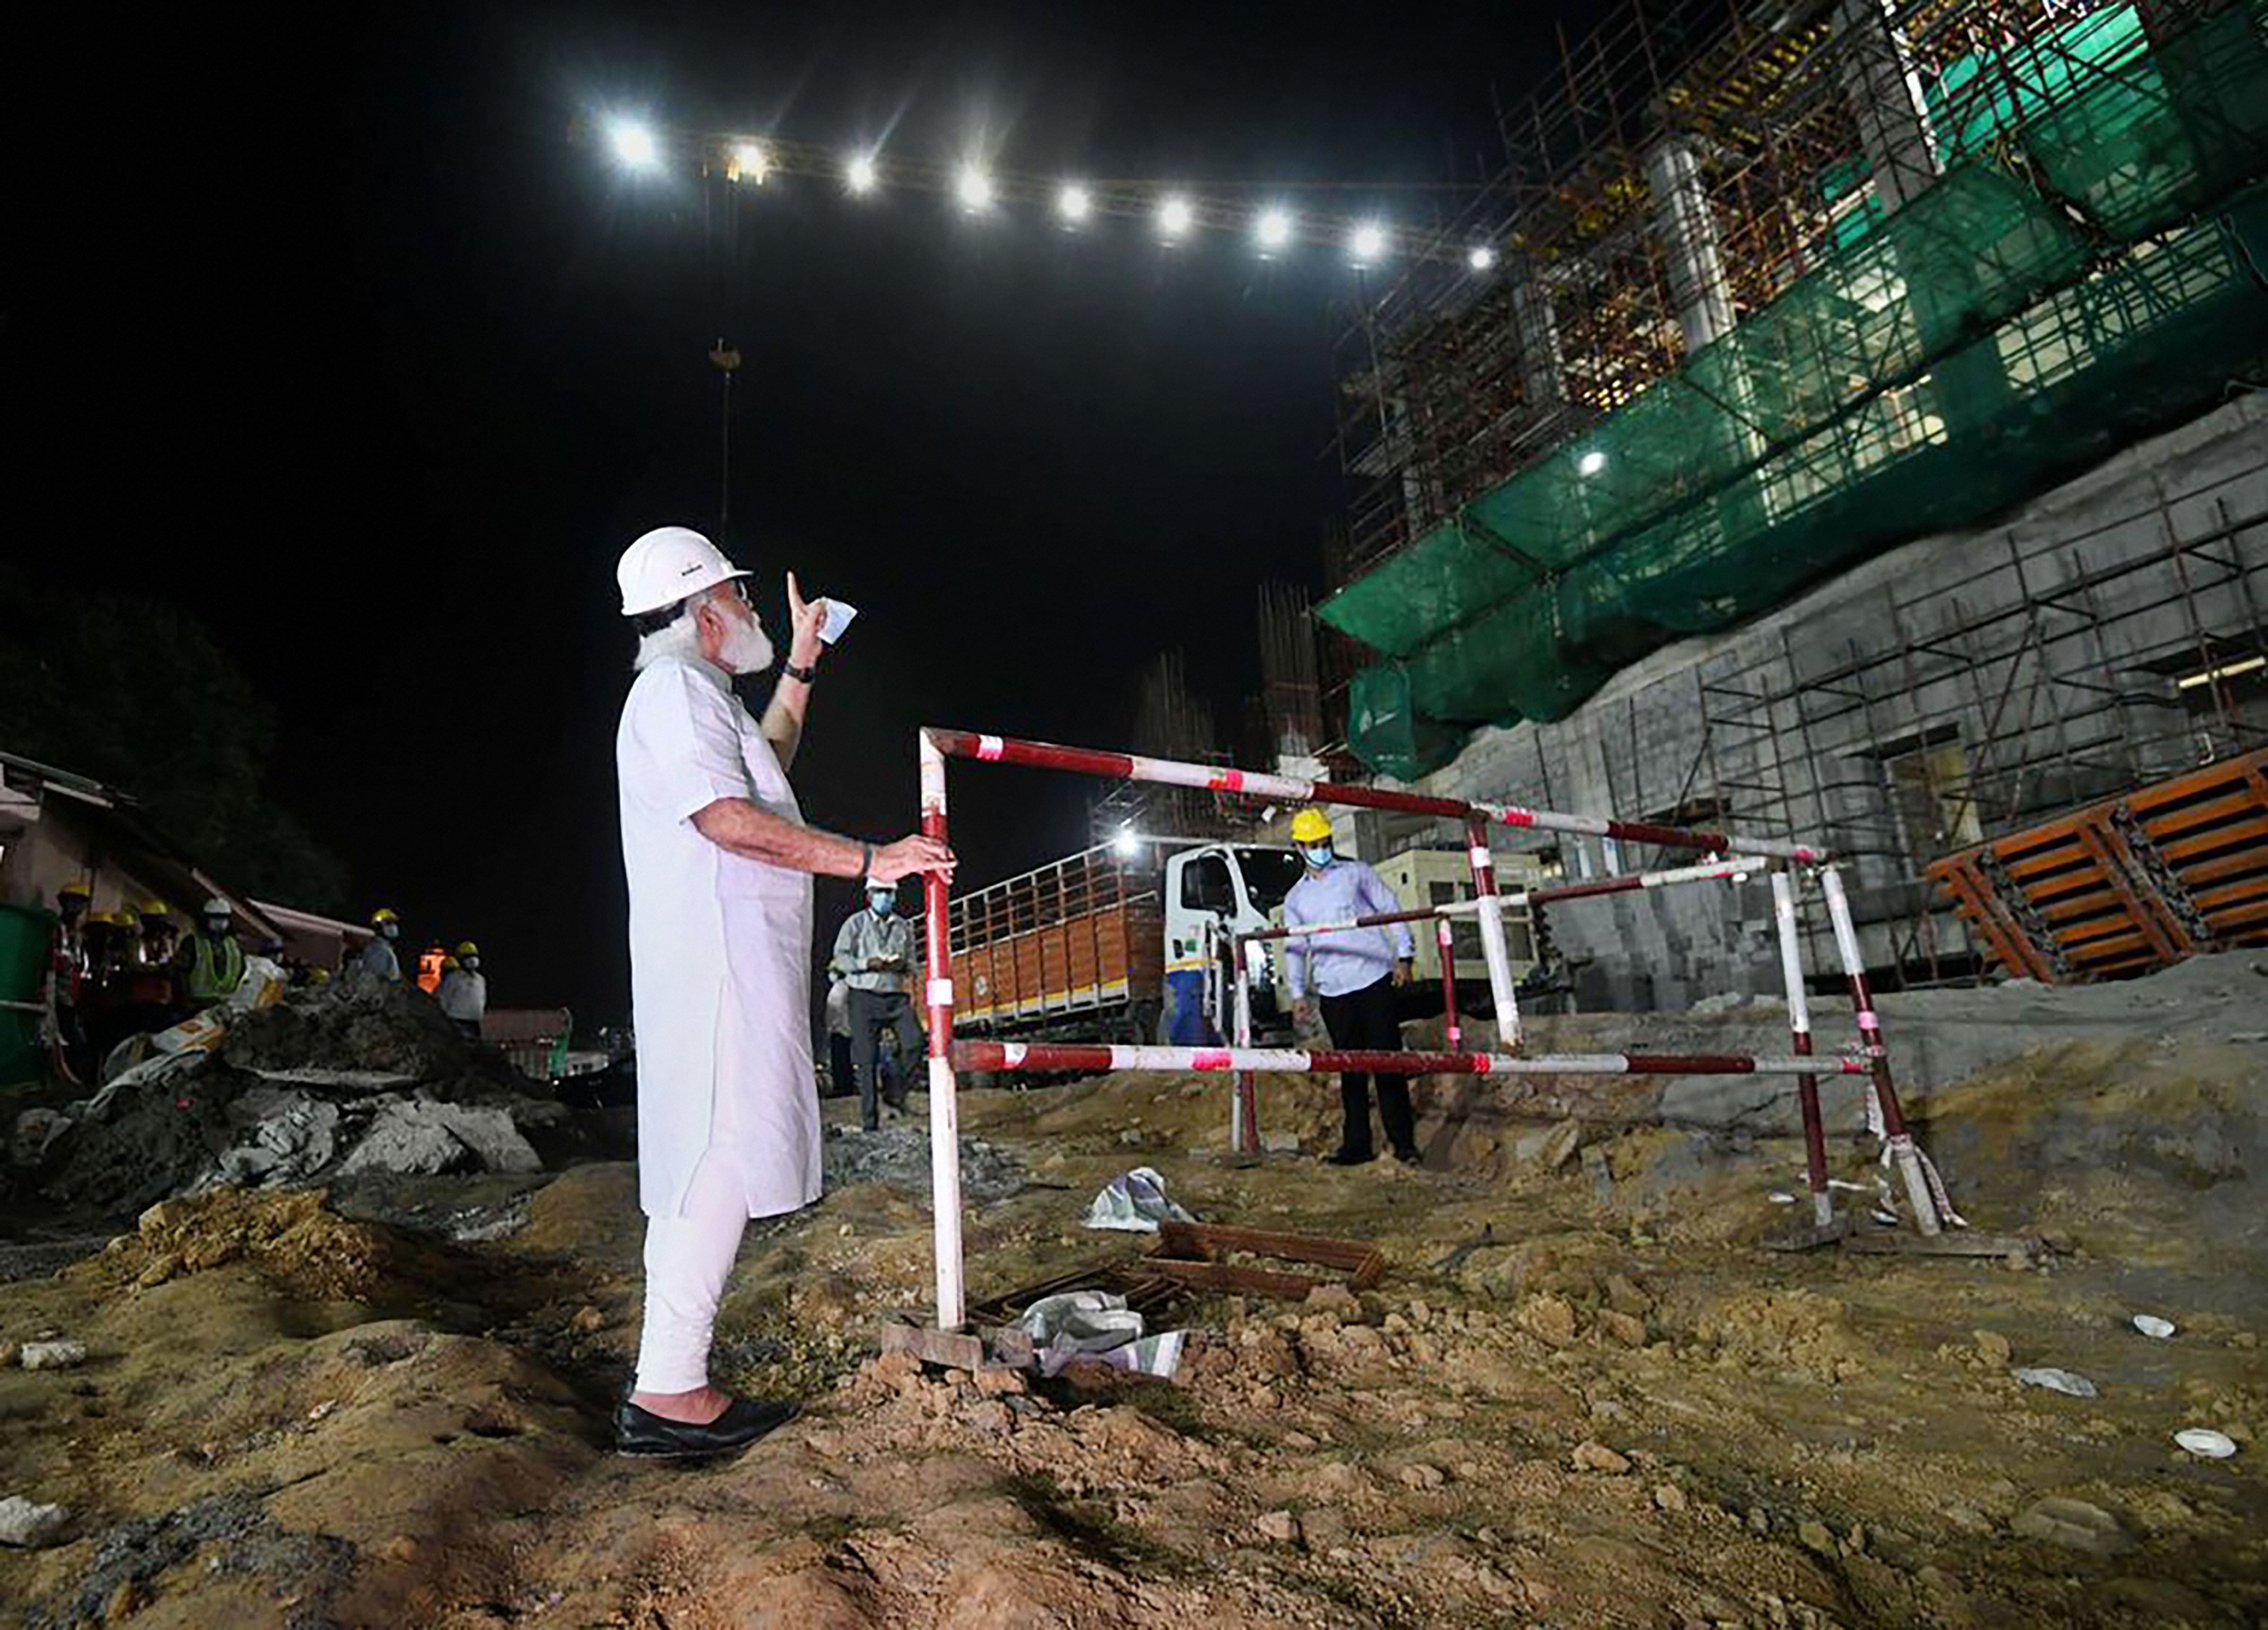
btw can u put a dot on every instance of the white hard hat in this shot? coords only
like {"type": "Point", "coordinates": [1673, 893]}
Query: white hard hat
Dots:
{"type": "Point", "coordinates": [214, 906]}
{"type": "Point", "coordinates": [668, 565]}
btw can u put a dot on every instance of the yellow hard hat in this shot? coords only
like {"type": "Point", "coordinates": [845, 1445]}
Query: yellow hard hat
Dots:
{"type": "Point", "coordinates": [320, 975]}
{"type": "Point", "coordinates": [1311, 826]}
{"type": "Point", "coordinates": [469, 949]}
{"type": "Point", "coordinates": [154, 908]}
{"type": "Point", "coordinates": [384, 914]}
{"type": "Point", "coordinates": [447, 962]}
{"type": "Point", "coordinates": [78, 888]}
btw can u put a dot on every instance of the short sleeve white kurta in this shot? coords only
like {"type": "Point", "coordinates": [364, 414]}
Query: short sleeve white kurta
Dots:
{"type": "Point", "coordinates": [720, 953]}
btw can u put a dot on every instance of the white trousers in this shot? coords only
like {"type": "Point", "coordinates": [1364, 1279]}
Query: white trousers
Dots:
{"type": "Point", "coordinates": [687, 1258]}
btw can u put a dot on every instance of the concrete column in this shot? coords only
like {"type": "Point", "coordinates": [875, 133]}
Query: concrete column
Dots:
{"type": "Point", "coordinates": [1698, 285]}
{"type": "Point", "coordinates": [1885, 93]}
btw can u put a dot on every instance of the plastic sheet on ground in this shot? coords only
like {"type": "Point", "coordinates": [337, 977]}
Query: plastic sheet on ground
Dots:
{"type": "Point", "coordinates": [1097, 1325]}
{"type": "Point", "coordinates": [1135, 1202]}
{"type": "Point", "coordinates": [2062, 1381]}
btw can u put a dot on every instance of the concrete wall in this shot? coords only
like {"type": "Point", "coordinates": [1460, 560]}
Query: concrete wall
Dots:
{"type": "Point", "coordinates": [2046, 647]}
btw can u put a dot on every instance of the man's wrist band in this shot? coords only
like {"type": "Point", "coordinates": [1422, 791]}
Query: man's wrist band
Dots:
{"type": "Point", "coordinates": [806, 675]}
{"type": "Point", "coordinates": [866, 862]}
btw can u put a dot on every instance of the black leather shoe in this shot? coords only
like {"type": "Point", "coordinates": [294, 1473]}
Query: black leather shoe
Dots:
{"type": "Point", "coordinates": [642, 1433]}
{"type": "Point", "coordinates": [1351, 1157]}
{"type": "Point", "coordinates": [1410, 1157]}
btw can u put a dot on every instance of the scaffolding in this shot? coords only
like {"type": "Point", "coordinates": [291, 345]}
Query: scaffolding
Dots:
{"type": "Point", "coordinates": [1778, 286]}
{"type": "Point", "coordinates": [1971, 711]}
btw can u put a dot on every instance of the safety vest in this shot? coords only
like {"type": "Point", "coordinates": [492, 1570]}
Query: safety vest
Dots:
{"type": "Point", "coordinates": [216, 969]}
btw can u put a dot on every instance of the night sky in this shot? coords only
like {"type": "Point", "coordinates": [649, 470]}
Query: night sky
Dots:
{"type": "Point", "coordinates": [325, 332]}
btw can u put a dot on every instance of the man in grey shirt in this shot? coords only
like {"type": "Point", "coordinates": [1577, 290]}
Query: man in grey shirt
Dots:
{"type": "Point", "coordinates": [874, 956]}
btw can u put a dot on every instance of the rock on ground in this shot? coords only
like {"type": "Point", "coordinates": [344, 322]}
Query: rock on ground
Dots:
{"type": "Point", "coordinates": [28, 1524]}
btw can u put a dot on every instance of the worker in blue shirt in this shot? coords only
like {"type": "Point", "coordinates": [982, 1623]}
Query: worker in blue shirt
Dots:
{"type": "Point", "coordinates": [1355, 974]}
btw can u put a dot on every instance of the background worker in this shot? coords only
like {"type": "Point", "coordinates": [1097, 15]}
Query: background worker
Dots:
{"type": "Point", "coordinates": [153, 996]}
{"type": "Point", "coordinates": [1355, 973]}
{"type": "Point", "coordinates": [842, 1074]}
{"type": "Point", "coordinates": [70, 973]}
{"type": "Point", "coordinates": [720, 864]}
{"type": "Point", "coordinates": [464, 990]}
{"type": "Point", "coordinates": [873, 956]}
{"type": "Point", "coordinates": [379, 962]}
{"type": "Point", "coordinates": [210, 965]}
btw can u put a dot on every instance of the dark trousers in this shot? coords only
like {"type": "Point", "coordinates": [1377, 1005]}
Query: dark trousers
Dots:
{"type": "Point", "coordinates": [842, 1074]}
{"type": "Point", "coordinates": [873, 1012]}
{"type": "Point", "coordinates": [1363, 1021]}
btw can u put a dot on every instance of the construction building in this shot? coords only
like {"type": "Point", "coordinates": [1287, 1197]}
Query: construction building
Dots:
{"type": "Point", "coordinates": [1839, 416]}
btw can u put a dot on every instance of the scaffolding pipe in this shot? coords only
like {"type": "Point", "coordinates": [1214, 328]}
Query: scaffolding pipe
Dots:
{"type": "Point", "coordinates": [943, 1095]}
{"type": "Point", "coordinates": [1504, 996]}
{"type": "Point", "coordinates": [1244, 1118]}
{"type": "Point", "coordinates": [1288, 789]}
{"type": "Point", "coordinates": [1737, 868]}
{"type": "Point", "coordinates": [1012, 1058]}
{"type": "Point", "coordinates": [1799, 1033]}
{"type": "Point", "coordinates": [1451, 1032]}
{"type": "Point", "coordinates": [1894, 1133]}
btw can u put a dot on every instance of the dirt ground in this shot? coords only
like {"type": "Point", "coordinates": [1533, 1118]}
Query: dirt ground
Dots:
{"type": "Point", "coordinates": [1583, 1394]}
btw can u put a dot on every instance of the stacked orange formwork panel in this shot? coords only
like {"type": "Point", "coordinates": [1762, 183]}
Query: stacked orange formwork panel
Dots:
{"type": "Point", "coordinates": [2126, 885]}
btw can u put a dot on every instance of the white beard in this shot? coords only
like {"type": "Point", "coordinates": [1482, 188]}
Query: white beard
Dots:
{"type": "Point", "coordinates": [747, 649]}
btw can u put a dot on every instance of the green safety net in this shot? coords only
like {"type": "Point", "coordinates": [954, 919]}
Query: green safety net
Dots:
{"type": "Point", "coordinates": [1932, 370]}
{"type": "Point", "coordinates": [1395, 740]}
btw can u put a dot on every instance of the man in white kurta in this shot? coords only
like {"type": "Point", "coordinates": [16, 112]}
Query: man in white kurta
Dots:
{"type": "Point", "coordinates": [719, 866]}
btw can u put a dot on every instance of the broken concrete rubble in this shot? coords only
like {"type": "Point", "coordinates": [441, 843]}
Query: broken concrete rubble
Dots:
{"type": "Point", "coordinates": [325, 1083]}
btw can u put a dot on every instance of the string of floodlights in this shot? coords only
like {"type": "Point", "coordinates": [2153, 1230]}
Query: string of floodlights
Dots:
{"type": "Point", "coordinates": [1175, 215]}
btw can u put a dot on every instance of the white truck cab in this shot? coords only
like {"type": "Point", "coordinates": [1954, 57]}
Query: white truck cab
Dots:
{"type": "Point", "coordinates": [1214, 891]}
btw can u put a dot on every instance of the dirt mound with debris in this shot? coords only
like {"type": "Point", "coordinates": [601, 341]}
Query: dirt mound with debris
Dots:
{"type": "Point", "coordinates": [294, 1241]}
{"type": "Point", "coordinates": [399, 1033]}
{"type": "Point", "coordinates": [325, 1083]}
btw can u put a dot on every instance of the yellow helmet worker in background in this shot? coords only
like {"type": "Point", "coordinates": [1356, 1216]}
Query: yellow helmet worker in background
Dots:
{"type": "Point", "coordinates": [1311, 826]}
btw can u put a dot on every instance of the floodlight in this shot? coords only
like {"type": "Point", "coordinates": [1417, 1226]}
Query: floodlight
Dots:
{"type": "Point", "coordinates": [973, 188]}
{"type": "Point", "coordinates": [860, 173]}
{"type": "Point", "coordinates": [750, 163]}
{"type": "Point", "coordinates": [1175, 215]}
{"type": "Point", "coordinates": [1591, 463]}
{"type": "Point", "coordinates": [634, 144]}
{"type": "Point", "coordinates": [1125, 843]}
{"type": "Point", "coordinates": [1367, 243]}
{"type": "Point", "coordinates": [1073, 204]}
{"type": "Point", "coordinates": [1481, 258]}
{"type": "Point", "coordinates": [1273, 229]}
